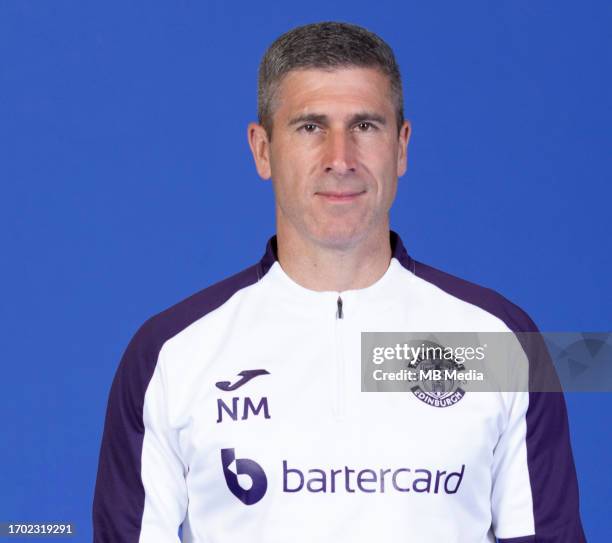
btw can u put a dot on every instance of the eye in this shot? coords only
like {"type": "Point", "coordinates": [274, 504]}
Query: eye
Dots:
{"type": "Point", "coordinates": [309, 128]}
{"type": "Point", "coordinates": [365, 126]}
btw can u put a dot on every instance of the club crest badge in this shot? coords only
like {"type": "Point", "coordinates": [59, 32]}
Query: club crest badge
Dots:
{"type": "Point", "coordinates": [438, 383]}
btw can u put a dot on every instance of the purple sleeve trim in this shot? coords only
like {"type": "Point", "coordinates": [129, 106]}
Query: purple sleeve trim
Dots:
{"type": "Point", "coordinates": [119, 495]}
{"type": "Point", "coordinates": [552, 474]}
{"type": "Point", "coordinates": [527, 539]}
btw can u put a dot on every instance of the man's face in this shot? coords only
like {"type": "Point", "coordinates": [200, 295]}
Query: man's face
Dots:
{"type": "Point", "coordinates": [335, 154]}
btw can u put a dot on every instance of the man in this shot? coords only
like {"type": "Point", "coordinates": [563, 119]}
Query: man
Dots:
{"type": "Point", "coordinates": [237, 414]}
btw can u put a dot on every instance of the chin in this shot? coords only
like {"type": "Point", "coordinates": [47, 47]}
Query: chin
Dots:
{"type": "Point", "coordinates": [339, 237]}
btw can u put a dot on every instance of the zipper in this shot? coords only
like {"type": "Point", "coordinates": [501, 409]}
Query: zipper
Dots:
{"type": "Point", "coordinates": [339, 366]}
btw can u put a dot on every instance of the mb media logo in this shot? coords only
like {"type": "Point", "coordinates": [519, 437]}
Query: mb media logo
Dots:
{"type": "Point", "coordinates": [237, 470]}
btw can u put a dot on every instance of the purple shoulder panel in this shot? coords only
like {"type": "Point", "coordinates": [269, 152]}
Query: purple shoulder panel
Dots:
{"type": "Point", "coordinates": [119, 495]}
{"type": "Point", "coordinates": [550, 461]}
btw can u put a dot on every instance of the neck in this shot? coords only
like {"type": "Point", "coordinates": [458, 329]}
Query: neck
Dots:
{"type": "Point", "coordinates": [319, 267]}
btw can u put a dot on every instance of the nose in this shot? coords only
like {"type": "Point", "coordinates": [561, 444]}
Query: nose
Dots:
{"type": "Point", "coordinates": [340, 153]}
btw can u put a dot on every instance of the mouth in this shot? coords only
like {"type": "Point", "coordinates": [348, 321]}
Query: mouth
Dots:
{"type": "Point", "coordinates": [340, 196]}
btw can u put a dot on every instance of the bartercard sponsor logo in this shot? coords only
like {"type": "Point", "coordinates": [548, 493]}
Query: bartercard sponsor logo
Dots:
{"type": "Point", "coordinates": [247, 480]}
{"type": "Point", "coordinates": [351, 480]}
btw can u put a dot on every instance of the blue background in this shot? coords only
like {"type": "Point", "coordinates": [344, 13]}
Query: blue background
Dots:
{"type": "Point", "coordinates": [127, 184]}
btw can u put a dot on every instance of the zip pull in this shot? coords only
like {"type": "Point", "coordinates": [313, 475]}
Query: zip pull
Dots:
{"type": "Point", "coordinates": [339, 313]}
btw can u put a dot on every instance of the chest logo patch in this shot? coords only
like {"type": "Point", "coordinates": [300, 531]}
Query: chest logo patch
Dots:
{"type": "Point", "coordinates": [438, 386]}
{"type": "Point", "coordinates": [246, 376]}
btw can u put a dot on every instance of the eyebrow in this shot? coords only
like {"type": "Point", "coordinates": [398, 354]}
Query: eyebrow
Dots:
{"type": "Point", "coordinates": [324, 119]}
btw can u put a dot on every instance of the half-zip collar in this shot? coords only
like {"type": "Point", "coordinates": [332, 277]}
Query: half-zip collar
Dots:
{"type": "Point", "coordinates": [398, 251]}
{"type": "Point", "coordinates": [336, 304]}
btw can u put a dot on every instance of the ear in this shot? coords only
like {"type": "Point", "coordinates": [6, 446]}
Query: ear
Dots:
{"type": "Point", "coordinates": [260, 147]}
{"type": "Point", "coordinates": [402, 155]}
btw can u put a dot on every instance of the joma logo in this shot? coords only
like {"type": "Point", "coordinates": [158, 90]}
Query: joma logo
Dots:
{"type": "Point", "coordinates": [245, 377]}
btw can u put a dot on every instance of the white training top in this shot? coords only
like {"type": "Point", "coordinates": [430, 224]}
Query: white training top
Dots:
{"type": "Point", "coordinates": [237, 416]}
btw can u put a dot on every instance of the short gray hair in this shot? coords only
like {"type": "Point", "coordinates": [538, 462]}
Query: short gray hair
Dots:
{"type": "Point", "coordinates": [326, 45]}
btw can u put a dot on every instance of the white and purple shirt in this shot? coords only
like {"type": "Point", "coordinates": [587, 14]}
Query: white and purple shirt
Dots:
{"type": "Point", "coordinates": [237, 416]}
